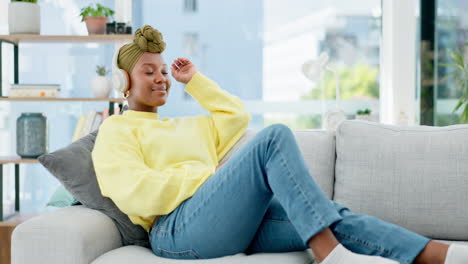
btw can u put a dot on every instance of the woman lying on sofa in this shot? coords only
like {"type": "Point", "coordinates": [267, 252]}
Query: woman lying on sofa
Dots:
{"type": "Point", "coordinates": [164, 174]}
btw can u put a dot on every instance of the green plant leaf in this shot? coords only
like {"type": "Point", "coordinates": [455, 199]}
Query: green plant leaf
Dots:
{"type": "Point", "coordinates": [457, 57]}
{"type": "Point", "coordinates": [26, 1]}
{"type": "Point", "coordinates": [101, 70]}
{"type": "Point", "coordinates": [97, 11]}
{"type": "Point", "coordinates": [464, 115]}
{"type": "Point", "coordinates": [460, 103]}
{"type": "Point", "coordinates": [459, 76]}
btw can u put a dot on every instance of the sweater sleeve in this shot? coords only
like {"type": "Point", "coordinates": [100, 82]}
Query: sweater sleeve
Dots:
{"type": "Point", "coordinates": [135, 188]}
{"type": "Point", "coordinates": [229, 118]}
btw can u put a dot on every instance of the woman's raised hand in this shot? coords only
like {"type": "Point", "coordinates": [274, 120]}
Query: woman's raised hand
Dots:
{"type": "Point", "coordinates": [183, 70]}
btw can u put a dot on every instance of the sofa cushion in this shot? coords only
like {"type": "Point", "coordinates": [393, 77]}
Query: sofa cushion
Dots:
{"type": "Point", "coordinates": [73, 167]}
{"type": "Point", "coordinates": [134, 254]}
{"type": "Point", "coordinates": [73, 234]}
{"type": "Point", "coordinates": [317, 148]}
{"type": "Point", "coordinates": [62, 198]}
{"type": "Point", "coordinates": [413, 176]}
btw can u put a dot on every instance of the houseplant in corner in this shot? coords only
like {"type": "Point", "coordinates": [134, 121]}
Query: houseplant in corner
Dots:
{"type": "Point", "coordinates": [364, 114]}
{"type": "Point", "coordinates": [96, 18]}
{"type": "Point", "coordinates": [24, 17]}
{"type": "Point", "coordinates": [101, 85]}
{"type": "Point", "coordinates": [459, 74]}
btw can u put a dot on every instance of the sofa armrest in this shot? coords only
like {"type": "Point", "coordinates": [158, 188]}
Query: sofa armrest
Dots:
{"type": "Point", "coordinates": [73, 234]}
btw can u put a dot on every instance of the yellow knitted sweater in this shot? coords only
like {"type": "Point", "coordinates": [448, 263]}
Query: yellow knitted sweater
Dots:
{"type": "Point", "coordinates": [149, 166]}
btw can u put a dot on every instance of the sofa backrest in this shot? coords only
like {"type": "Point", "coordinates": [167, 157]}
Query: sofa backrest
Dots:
{"type": "Point", "coordinates": [318, 150]}
{"type": "Point", "coordinates": [415, 176]}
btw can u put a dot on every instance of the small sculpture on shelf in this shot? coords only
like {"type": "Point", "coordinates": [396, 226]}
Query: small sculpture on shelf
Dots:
{"type": "Point", "coordinates": [96, 18]}
{"type": "Point", "coordinates": [101, 85]}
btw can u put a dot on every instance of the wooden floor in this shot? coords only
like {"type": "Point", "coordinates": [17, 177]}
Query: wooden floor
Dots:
{"type": "Point", "coordinates": [6, 229]}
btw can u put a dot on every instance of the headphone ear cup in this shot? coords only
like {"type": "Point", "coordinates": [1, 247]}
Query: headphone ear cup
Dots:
{"type": "Point", "coordinates": [126, 80]}
{"type": "Point", "coordinates": [120, 80]}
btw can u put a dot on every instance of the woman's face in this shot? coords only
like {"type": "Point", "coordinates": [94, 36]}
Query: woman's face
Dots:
{"type": "Point", "coordinates": [149, 83]}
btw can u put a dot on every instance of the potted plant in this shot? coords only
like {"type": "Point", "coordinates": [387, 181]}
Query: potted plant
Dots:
{"type": "Point", "coordinates": [96, 18]}
{"type": "Point", "coordinates": [101, 85]}
{"type": "Point", "coordinates": [459, 74]}
{"type": "Point", "coordinates": [364, 114]}
{"type": "Point", "coordinates": [24, 17]}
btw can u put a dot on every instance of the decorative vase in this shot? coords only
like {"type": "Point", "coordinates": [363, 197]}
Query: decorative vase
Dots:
{"type": "Point", "coordinates": [31, 135]}
{"type": "Point", "coordinates": [24, 18]}
{"type": "Point", "coordinates": [101, 87]}
{"type": "Point", "coordinates": [370, 118]}
{"type": "Point", "coordinates": [96, 25]}
{"type": "Point", "coordinates": [364, 117]}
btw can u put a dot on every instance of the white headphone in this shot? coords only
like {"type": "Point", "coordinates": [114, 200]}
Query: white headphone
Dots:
{"type": "Point", "coordinates": [120, 79]}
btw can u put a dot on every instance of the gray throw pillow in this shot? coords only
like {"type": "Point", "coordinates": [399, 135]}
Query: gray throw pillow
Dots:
{"type": "Point", "coordinates": [73, 167]}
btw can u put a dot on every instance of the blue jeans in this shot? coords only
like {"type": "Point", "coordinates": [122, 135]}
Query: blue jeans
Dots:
{"type": "Point", "coordinates": [265, 200]}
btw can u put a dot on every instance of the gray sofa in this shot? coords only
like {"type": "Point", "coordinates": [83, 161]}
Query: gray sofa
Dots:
{"type": "Point", "coordinates": [416, 177]}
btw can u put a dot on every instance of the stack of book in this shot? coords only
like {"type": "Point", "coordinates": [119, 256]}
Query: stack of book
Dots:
{"type": "Point", "coordinates": [87, 123]}
{"type": "Point", "coordinates": [34, 90]}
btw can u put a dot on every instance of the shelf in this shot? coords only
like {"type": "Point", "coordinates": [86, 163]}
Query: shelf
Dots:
{"type": "Point", "coordinates": [31, 38]}
{"type": "Point", "coordinates": [119, 100]}
{"type": "Point", "coordinates": [16, 160]}
{"type": "Point", "coordinates": [16, 218]}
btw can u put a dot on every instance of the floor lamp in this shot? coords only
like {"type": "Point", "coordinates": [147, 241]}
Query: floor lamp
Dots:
{"type": "Point", "coordinates": [314, 70]}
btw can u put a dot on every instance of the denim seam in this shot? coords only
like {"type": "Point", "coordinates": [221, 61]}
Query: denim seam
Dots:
{"type": "Point", "coordinates": [276, 220]}
{"type": "Point", "coordinates": [365, 244]}
{"type": "Point", "coordinates": [212, 193]}
{"type": "Point", "coordinates": [184, 252]}
{"type": "Point", "coordinates": [297, 187]}
{"type": "Point", "coordinates": [199, 207]}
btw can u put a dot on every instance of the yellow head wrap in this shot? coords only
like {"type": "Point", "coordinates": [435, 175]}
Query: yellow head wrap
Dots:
{"type": "Point", "coordinates": [145, 39]}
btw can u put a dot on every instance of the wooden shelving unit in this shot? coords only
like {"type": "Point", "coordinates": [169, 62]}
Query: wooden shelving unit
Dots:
{"type": "Point", "coordinates": [15, 41]}
{"type": "Point", "coordinates": [6, 231]}
{"type": "Point", "coordinates": [115, 100]}
{"type": "Point", "coordinates": [66, 38]}
{"type": "Point", "coordinates": [15, 160]}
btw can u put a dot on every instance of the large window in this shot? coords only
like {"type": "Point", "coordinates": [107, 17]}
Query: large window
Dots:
{"type": "Point", "coordinates": [256, 49]}
{"type": "Point", "coordinates": [349, 32]}
{"type": "Point", "coordinates": [444, 29]}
